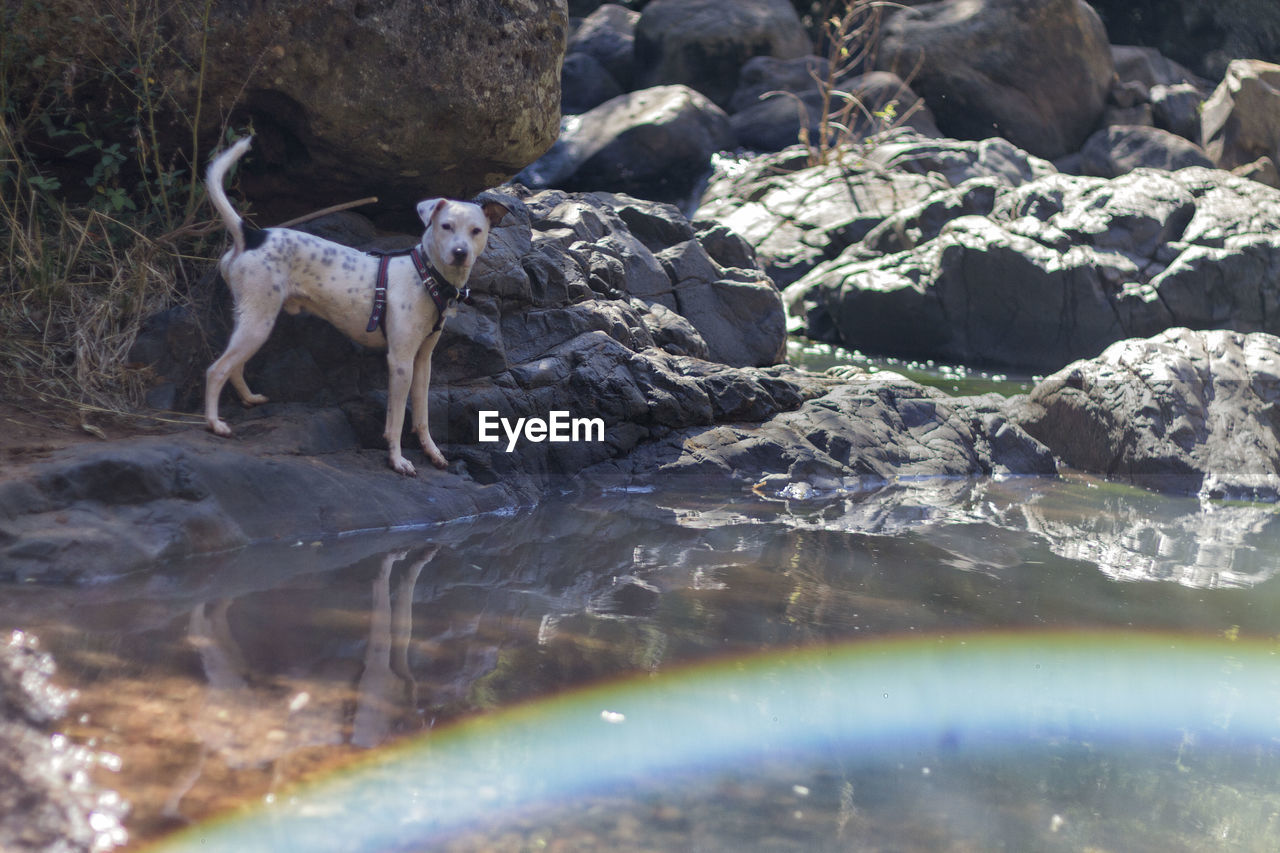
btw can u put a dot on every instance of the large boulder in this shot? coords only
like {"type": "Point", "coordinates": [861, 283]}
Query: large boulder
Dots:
{"type": "Point", "coordinates": [1035, 72]}
{"type": "Point", "coordinates": [1202, 35]}
{"type": "Point", "coordinates": [376, 98]}
{"type": "Point", "coordinates": [704, 43]}
{"type": "Point", "coordinates": [1184, 411]}
{"type": "Point", "coordinates": [655, 143]}
{"type": "Point", "coordinates": [1241, 120]}
{"type": "Point", "coordinates": [1038, 275]}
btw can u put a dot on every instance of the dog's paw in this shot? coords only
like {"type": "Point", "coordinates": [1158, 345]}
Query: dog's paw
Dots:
{"type": "Point", "coordinates": [438, 461]}
{"type": "Point", "coordinates": [402, 466]}
{"type": "Point", "coordinates": [219, 427]}
{"type": "Point", "coordinates": [255, 399]}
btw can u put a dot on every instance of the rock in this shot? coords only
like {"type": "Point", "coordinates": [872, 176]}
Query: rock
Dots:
{"type": "Point", "coordinates": [1115, 150]}
{"type": "Point", "coordinates": [353, 101]}
{"type": "Point", "coordinates": [704, 43]}
{"type": "Point", "coordinates": [761, 75]}
{"type": "Point", "coordinates": [797, 215]}
{"type": "Point", "coordinates": [860, 435]}
{"type": "Point", "coordinates": [1241, 120]}
{"type": "Point", "coordinates": [1151, 68]}
{"type": "Point", "coordinates": [1263, 170]}
{"type": "Point", "coordinates": [1139, 115]}
{"type": "Point", "coordinates": [1200, 35]}
{"type": "Point", "coordinates": [1057, 269]}
{"type": "Point", "coordinates": [47, 801]}
{"type": "Point", "coordinates": [585, 83]}
{"type": "Point", "coordinates": [883, 100]}
{"type": "Point", "coordinates": [608, 36]}
{"type": "Point", "coordinates": [655, 143]}
{"type": "Point", "coordinates": [1185, 411]}
{"type": "Point", "coordinates": [1035, 72]}
{"type": "Point", "coordinates": [1176, 109]}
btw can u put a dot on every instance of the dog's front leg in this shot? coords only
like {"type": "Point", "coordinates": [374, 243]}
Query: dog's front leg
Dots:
{"type": "Point", "coordinates": [399, 370]}
{"type": "Point", "coordinates": [418, 399]}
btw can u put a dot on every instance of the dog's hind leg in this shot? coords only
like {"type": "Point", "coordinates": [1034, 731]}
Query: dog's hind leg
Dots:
{"type": "Point", "coordinates": [242, 388]}
{"type": "Point", "coordinates": [247, 338]}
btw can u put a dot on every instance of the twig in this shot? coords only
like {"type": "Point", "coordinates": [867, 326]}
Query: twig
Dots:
{"type": "Point", "coordinates": [373, 199]}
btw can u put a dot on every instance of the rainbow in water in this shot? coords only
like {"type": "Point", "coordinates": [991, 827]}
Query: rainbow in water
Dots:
{"type": "Point", "coordinates": [866, 700]}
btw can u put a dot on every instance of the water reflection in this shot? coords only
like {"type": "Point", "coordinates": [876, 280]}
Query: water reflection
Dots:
{"type": "Point", "coordinates": [225, 678]}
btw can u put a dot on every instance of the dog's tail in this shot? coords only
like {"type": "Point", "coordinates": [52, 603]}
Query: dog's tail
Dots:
{"type": "Point", "coordinates": [213, 181]}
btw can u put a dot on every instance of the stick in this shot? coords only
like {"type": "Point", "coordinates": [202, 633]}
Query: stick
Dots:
{"type": "Point", "coordinates": [337, 207]}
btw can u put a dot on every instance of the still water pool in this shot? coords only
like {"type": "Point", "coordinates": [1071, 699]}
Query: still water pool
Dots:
{"type": "Point", "coordinates": [1026, 664]}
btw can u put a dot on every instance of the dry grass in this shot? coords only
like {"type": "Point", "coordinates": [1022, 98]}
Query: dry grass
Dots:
{"type": "Point", "coordinates": [76, 284]}
{"type": "Point", "coordinates": [78, 280]}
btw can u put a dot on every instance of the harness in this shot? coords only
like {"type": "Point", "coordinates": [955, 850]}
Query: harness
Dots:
{"type": "Point", "coordinates": [443, 294]}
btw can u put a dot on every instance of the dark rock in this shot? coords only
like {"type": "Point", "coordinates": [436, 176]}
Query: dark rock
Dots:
{"type": "Point", "coordinates": [704, 43]}
{"type": "Point", "coordinates": [584, 83]}
{"type": "Point", "coordinates": [1035, 72]}
{"type": "Point", "coordinates": [1115, 150]}
{"type": "Point", "coordinates": [860, 435]}
{"type": "Point", "coordinates": [1241, 120]}
{"type": "Point", "coordinates": [1151, 68]}
{"type": "Point", "coordinates": [1192, 412]}
{"type": "Point", "coordinates": [881, 101]}
{"type": "Point", "coordinates": [1202, 35]}
{"type": "Point", "coordinates": [761, 75]}
{"type": "Point", "coordinates": [1176, 109]}
{"type": "Point", "coordinates": [655, 143]}
{"type": "Point", "coordinates": [608, 36]}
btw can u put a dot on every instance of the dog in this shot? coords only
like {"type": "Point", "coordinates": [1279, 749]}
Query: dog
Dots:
{"type": "Point", "coordinates": [272, 269]}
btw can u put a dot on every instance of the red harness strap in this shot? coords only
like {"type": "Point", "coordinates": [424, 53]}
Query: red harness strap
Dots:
{"type": "Point", "coordinates": [442, 294]}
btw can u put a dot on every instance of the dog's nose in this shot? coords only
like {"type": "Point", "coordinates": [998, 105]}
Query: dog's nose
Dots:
{"type": "Point", "coordinates": [459, 254]}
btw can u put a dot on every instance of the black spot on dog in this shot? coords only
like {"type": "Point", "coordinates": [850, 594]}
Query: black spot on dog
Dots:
{"type": "Point", "coordinates": [254, 237]}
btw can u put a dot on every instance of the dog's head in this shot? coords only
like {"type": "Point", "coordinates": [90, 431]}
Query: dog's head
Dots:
{"type": "Point", "coordinates": [456, 234]}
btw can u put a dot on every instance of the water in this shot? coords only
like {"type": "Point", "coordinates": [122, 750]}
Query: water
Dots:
{"type": "Point", "coordinates": [477, 661]}
{"type": "Point", "coordinates": [954, 379]}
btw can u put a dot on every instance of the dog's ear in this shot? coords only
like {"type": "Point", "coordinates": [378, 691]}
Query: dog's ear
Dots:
{"type": "Point", "coordinates": [494, 211]}
{"type": "Point", "coordinates": [427, 210]}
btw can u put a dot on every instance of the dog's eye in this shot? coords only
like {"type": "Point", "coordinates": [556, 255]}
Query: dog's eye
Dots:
{"type": "Point", "coordinates": [447, 226]}
{"type": "Point", "coordinates": [475, 232]}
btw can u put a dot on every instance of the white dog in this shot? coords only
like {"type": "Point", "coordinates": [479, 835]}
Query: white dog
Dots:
{"type": "Point", "coordinates": [273, 269]}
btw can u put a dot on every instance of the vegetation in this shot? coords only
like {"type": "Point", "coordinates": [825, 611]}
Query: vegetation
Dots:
{"type": "Point", "coordinates": [849, 33]}
{"type": "Point", "coordinates": [103, 219]}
